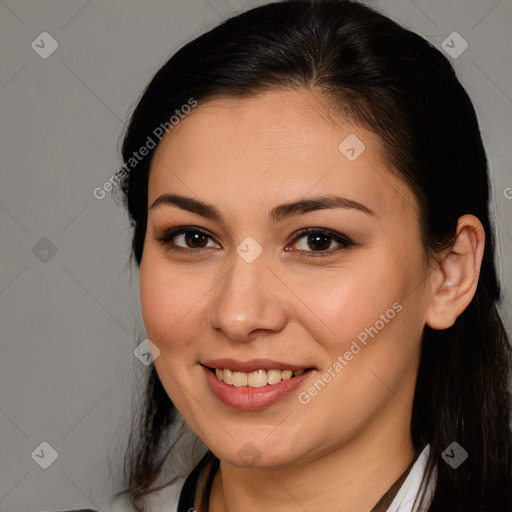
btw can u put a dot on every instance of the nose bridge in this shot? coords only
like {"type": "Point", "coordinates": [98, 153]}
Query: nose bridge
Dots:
{"type": "Point", "coordinates": [246, 300]}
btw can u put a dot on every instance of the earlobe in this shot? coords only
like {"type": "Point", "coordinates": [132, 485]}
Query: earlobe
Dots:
{"type": "Point", "coordinates": [453, 283]}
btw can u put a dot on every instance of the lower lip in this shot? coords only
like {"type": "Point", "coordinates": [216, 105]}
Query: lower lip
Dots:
{"type": "Point", "coordinates": [246, 397]}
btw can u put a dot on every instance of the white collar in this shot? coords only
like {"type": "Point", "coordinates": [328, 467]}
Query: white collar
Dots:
{"type": "Point", "coordinates": [408, 496]}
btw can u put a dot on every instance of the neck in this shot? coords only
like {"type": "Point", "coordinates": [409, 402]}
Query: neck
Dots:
{"type": "Point", "coordinates": [349, 478]}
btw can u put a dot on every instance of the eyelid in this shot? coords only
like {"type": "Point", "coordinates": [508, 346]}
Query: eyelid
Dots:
{"type": "Point", "coordinates": [168, 234]}
{"type": "Point", "coordinates": [344, 241]}
{"type": "Point", "coordinates": [305, 230]}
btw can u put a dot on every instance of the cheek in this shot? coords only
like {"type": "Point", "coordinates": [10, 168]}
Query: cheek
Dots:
{"type": "Point", "coordinates": [380, 299]}
{"type": "Point", "coordinates": [169, 302]}
{"type": "Point", "coordinates": [347, 304]}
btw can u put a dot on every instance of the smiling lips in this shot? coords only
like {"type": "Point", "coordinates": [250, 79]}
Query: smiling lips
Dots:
{"type": "Point", "coordinates": [251, 390]}
{"type": "Point", "coordinates": [255, 373]}
{"type": "Point", "coordinates": [253, 384]}
{"type": "Point", "coordinates": [256, 379]}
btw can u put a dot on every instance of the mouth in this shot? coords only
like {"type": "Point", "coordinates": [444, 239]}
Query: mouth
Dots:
{"type": "Point", "coordinates": [256, 383]}
{"type": "Point", "coordinates": [257, 388]}
{"type": "Point", "coordinates": [257, 378]}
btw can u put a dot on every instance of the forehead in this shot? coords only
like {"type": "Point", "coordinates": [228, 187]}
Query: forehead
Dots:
{"type": "Point", "coordinates": [271, 147]}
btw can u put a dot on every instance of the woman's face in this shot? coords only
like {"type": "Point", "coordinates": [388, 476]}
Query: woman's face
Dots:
{"type": "Point", "coordinates": [345, 301]}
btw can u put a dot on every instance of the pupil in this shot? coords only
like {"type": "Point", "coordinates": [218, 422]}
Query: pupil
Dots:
{"type": "Point", "coordinates": [319, 241]}
{"type": "Point", "coordinates": [196, 238]}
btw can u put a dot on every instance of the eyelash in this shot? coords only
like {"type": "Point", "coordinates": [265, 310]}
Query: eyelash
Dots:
{"type": "Point", "coordinates": [167, 236]}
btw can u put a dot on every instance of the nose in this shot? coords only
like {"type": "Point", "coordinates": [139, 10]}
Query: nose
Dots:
{"type": "Point", "coordinates": [248, 302]}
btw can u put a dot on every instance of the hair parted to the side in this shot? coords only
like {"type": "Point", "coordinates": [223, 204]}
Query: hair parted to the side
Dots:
{"type": "Point", "coordinates": [396, 84]}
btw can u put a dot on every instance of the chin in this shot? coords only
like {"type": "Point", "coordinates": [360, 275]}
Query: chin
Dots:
{"type": "Point", "coordinates": [254, 455]}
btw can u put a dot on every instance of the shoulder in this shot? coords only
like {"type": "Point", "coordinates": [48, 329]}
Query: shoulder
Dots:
{"type": "Point", "coordinates": [163, 500]}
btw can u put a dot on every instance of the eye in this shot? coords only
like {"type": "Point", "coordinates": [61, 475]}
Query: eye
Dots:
{"type": "Point", "coordinates": [320, 242]}
{"type": "Point", "coordinates": [188, 239]}
{"type": "Point", "coordinates": [311, 242]}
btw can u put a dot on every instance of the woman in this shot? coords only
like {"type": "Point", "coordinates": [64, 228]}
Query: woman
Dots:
{"type": "Point", "coordinates": [309, 196]}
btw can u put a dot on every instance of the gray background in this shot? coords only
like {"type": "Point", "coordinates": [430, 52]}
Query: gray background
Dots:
{"type": "Point", "coordinates": [70, 321]}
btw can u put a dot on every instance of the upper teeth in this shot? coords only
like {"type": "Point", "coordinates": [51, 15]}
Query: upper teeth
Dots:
{"type": "Point", "coordinates": [256, 379]}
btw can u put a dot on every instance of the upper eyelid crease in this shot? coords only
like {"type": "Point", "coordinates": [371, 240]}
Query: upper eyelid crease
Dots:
{"type": "Point", "coordinates": [339, 238]}
{"type": "Point", "coordinates": [277, 213]}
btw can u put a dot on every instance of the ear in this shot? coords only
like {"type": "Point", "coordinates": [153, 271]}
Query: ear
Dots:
{"type": "Point", "coordinates": [453, 283]}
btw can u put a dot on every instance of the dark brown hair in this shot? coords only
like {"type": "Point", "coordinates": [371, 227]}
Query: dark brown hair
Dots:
{"type": "Point", "coordinates": [396, 84]}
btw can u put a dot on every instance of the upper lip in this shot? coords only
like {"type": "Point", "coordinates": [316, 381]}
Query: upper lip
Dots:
{"type": "Point", "coordinates": [252, 365]}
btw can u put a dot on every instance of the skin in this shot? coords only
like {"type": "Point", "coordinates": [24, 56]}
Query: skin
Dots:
{"type": "Point", "coordinates": [346, 447]}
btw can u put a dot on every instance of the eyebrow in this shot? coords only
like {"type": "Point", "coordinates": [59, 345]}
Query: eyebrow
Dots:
{"type": "Point", "coordinates": [276, 214]}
